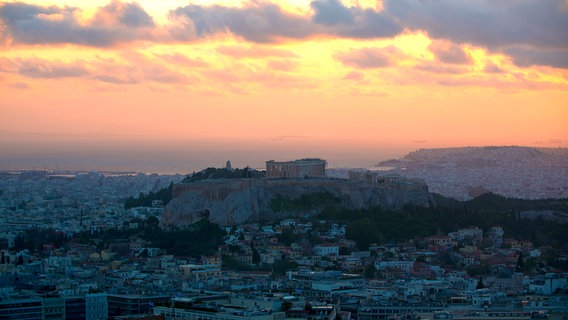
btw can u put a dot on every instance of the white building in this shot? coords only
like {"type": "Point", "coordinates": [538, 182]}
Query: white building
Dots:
{"type": "Point", "coordinates": [473, 233]}
{"type": "Point", "coordinates": [548, 285]}
{"type": "Point", "coordinates": [326, 250]}
{"type": "Point", "coordinates": [400, 265]}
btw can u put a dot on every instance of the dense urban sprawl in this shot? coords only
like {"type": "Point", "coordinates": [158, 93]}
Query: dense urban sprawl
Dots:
{"type": "Point", "coordinates": [292, 268]}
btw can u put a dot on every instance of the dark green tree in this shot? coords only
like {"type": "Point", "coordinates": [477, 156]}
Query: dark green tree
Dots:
{"type": "Point", "coordinates": [285, 306]}
{"type": "Point", "coordinates": [286, 237]}
{"type": "Point", "coordinates": [480, 284]}
{"type": "Point", "coordinates": [230, 262]}
{"type": "Point", "coordinates": [152, 221]}
{"type": "Point", "coordinates": [255, 254]}
{"type": "Point", "coordinates": [282, 266]}
{"type": "Point", "coordinates": [370, 271]}
{"type": "Point", "coordinates": [520, 262]}
{"type": "Point", "coordinates": [145, 200]}
{"type": "Point", "coordinates": [363, 232]}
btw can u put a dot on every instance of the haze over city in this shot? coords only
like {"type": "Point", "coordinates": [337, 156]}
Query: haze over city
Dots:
{"type": "Point", "coordinates": [108, 84]}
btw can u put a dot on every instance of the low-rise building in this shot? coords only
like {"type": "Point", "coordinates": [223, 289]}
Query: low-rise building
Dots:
{"type": "Point", "coordinates": [326, 250]}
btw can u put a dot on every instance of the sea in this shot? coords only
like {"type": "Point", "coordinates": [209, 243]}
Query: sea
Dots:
{"type": "Point", "coordinates": [184, 156]}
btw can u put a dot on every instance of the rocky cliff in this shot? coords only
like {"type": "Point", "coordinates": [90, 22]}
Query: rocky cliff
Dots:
{"type": "Point", "coordinates": [235, 201]}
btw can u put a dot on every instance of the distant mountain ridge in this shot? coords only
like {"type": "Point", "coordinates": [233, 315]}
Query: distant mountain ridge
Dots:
{"type": "Point", "coordinates": [466, 172]}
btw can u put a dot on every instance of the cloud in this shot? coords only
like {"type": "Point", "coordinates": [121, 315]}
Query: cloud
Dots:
{"type": "Point", "coordinates": [116, 80]}
{"type": "Point", "coordinates": [50, 69]}
{"type": "Point", "coordinates": [353, 22]}
{"type": "Point", "coordinates": [262, 23]}
{"type": "Point", "coordinates": [8, 65]}
{"type": "Point", "coordinates": [355, 76]}
{"type": "Point", "coordinates": [442, 69]}
{"type": "Point", "coordinates": [532, 32]}
{"type": "Point", "coordinates": [135, 75]}
{"type": "Point", "coordinates": [282, 65]}
{"type": "Point", "coordinates": [500, 26]}
{"type": "Point", "coordinates": [136, 68]}
{"type": "Point", "coordinates": [120, 22]}
{"type": "Point", "coordinates": [492, 68]}
{"type": "Point", "coordinates": [127, 14]}
{"type": "Point", "coordinates": [450, 53]}
{"type": "Point", "coordinates": [161, 74]}
{"type": "Point", "coordinates": [331, 12]}
{"type": "Point", "coordinates": [255, 52]}
{"type": "Point", "coordinates": [267, 22]}
{"type": "Point", "coordinates": [367, 58]}
{"type": "Point", "coordinates": [37, 25]}
{"type": "Point", "coordinates": [488, 23]}
{"type": "Point", "coordinates": [179, 59]}
{"type": "Point", "coordinates": [247, 78]}
{"type": "Point", "coordinates": [369, 93]}
{"type": "Point", "coordinates": [527, 56]}
{"type": "Point", "coordinates": [19, 85]}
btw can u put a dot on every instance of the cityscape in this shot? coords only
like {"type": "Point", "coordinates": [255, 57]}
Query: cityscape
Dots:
{"type": "Point", "coordinates": [97, 245]}
{"type": "Point", "coordinates": [284, 159]}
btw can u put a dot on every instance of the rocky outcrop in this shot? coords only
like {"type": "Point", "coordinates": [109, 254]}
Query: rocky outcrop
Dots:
{"type": "Point", "coordinates": [236, 201]}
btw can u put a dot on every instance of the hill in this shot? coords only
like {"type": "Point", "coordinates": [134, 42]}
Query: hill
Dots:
{"type": "Point", "coordinates": [510, 171]}
{"type": "Point", "coordinates": [236, 201]}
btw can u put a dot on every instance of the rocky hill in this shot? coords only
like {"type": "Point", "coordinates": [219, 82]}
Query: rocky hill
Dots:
{"type": "Point", "coordinates": [234, 201]}
{"type": "Point", "coordinates": [511, 171]}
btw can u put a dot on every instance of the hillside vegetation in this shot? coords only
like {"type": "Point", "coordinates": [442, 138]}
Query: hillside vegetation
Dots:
{"type": "Point", "coordinates": [376, 225]}
{"type": "Point", "coordinates": [223, 173]}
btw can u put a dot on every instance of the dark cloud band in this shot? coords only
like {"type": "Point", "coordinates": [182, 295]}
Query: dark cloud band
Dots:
{"type": "Point", "coordinates": [113, 24]}
{"type": "Point", "coordinates": [532, 32]}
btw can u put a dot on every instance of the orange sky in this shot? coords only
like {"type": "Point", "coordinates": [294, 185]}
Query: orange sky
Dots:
{"type": "Point", "coordinates": [351, 72]}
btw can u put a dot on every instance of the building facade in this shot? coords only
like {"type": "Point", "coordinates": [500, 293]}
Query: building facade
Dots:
{"type": "Point", "coordinates": [326, 250]}
{"type": "Point", "coordinates": [96, 306]}
{"type": "Point", "coordinates": [21, 308]}
{"type": "Point", "coordinates": [301, 168]}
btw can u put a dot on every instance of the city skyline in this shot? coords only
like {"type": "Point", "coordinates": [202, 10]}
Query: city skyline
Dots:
{"type": "Point", "coordinates": [350, 75]}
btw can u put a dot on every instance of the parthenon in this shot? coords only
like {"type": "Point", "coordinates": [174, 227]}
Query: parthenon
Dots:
{"type": "Point", "coordinates": [309, 167]}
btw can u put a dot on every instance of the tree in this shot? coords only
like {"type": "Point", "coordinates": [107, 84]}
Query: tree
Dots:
{"type": "Point", "coordinates": [145, 200]}
{"type": "Point", "coordinates": [230, 262]}
{"type": "Point", "coordinates": [478, 270]}
{"type": "Point", "coordinates": [370, 271]}
{"type": "Point", "coordinates": [282, 266]}
{"type": "Point", "coordinates": [286, 237]}
{"type": "Point", "coordinates": [363, 232]}
{"type": "Point", "coordinates": [255, 254]}
{"type": "Point", "coordinates": [529, 265]}
{"type": "Point", "coordinates": [152, 221]}
{"type": "Point", "coordinates": [520, 262]}
{"type": "Point", "coordinates": [286, 305]}
{"type": "Point", "coordinates": [480, 284]}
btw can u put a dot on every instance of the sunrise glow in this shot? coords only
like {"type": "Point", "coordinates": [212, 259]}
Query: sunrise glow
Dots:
{"type": "Point", "coordinates": [350, 72]}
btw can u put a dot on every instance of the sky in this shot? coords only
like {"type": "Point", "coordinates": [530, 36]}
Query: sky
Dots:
{"type": "Point", "coordinates": [349, 75]}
